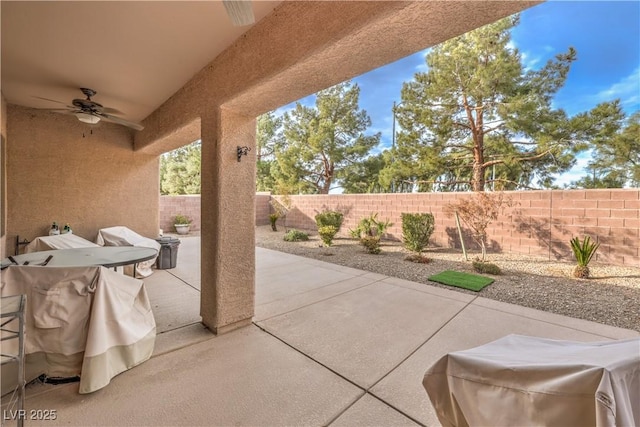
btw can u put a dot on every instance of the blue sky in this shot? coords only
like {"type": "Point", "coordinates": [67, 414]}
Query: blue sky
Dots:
{"type": "Point", "coordinates": [606, 35]}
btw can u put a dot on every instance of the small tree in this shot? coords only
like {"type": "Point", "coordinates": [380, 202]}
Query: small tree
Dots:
{"type": "Point", "coordinates": [477, 212]}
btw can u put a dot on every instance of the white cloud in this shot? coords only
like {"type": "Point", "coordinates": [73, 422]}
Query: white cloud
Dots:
{"type": "Point", "coordinates": [627, 89]}
{"type": "Point", "coordinates": [529, 62]}
{"type": "Point", "coordinates": [423, 67]}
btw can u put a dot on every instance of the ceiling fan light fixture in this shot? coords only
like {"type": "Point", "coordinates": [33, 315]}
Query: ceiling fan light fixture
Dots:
{"type": "Point", "coordinates": [240, 12]}
{"type": "Point", "coordinates": [88, 118]}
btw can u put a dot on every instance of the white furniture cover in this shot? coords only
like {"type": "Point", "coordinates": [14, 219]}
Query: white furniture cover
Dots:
{"type": "Point", "coordinates": [87, 321]}
{"type": "Point", "coordinates": [521, 381]}
{"type": "Point", "coordinates": [123, 236]}
{"type": "Point", "coordinates": [59, 241]}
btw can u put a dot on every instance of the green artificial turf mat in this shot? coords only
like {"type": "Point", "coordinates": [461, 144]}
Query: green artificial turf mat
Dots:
{"type": "Point", "coordinates": [473, 282]}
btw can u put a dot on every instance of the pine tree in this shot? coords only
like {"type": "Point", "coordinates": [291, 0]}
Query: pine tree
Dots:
{"type": "Point", "coordinates": [321, 144]}
{"type": "Point", "coordinates": [477, 116]}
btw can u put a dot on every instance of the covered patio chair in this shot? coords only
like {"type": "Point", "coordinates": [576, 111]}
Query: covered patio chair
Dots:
{"type": "Point", "coordinates": [59, 241]}
{"type": "Point", "coordinates": [123, 236]}
{"type": "Point", "coordinates": [520, 381]}
{"type": "Point", "coordinates": [90, 322]}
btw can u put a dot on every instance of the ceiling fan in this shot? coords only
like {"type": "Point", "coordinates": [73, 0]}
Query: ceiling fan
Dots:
{"type": "Point", "coordinates": [88, 111]}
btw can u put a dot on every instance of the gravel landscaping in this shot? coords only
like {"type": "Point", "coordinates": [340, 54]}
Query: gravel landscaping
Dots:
{"type": "Point", "coordinates": [611, 296]}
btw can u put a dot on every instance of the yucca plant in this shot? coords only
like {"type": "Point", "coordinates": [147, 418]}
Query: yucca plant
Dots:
{"type": "Point", "coordinates": [584, 252]}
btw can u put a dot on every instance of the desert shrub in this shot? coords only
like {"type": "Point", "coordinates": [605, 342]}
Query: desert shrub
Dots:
{"type": "Point", "coordinates": [331, 218]}
{"type": "Point", "coordinates": [295, 236]}
{"type": "Point", "coordinates": [273, 218]}
{"type": "Point", "coordinates": [416, 230]}
{"type": "Point", "coordinates": [584, 252]}
{"type": "Point", "coordinates": [417, 258]}
{"type": "Point", "coordinates": [327, 233]}
{"type": "Point", "coordinates": [486, 267]}
{"type": "Point", "coordinates": [369, 231]}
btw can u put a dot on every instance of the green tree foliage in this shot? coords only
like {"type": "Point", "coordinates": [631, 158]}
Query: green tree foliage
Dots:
{"type": "Point", "coordinates": [477, 116]}
{"type": "Point", "coordinates": [268, 135]}
{"type": "Point", "coordinates": [322, 144]}
{"type": "Point", "coordinates": [364, 176]}
{"type": "Point", "coordinates": [616, 160]}
{"type": "Point", "coordinates": [180, 170]}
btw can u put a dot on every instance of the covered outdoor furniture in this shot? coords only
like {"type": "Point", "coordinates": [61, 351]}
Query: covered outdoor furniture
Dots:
{"type": "Point", "coordinates": [59, 241]}
{"type": "Point", "coordinates": [519, 381]}
{"type": "Point", "coordinates": [87, 321]}
{"type": "Point", "coordinates": [123, 236]}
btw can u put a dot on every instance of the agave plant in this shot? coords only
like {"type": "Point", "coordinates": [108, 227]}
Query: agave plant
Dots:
{"type": "Point", "coordinates": [584, 252]}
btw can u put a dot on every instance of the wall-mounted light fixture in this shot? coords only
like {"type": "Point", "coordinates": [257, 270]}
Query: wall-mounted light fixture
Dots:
{"type": "Point", "coordinates": [242, 151]}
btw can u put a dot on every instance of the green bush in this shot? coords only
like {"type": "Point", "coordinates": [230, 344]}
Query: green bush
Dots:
{"type": "Point", "coordinates": [327, 233]}
{"type": "Point", "coordinates": [295, 236]}
{"type": "Point", "coordinates": [416, 230]}
{"type": "Point", "coordinates": [486, 267]}
{"type": "Point", "coordinates": [331, 218]}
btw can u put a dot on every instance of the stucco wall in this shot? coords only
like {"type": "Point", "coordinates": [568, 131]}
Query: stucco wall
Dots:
{"type": "Point", "coordinates": [540, 222]}
{"type": "Point", "coordinates": [91, 182]}
{"type": "Point", "coordinates": [3, 178]}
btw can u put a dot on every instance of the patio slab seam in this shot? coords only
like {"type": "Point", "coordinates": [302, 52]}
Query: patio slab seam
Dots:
{"type": "Point", "coordinates": [418, 347]}
{"type": "Point", "coordinates": [184, 281]}
{"type": "Point", "coordinates": [365, 391]}
{"type": "Point", "coordinates": [317, 301]}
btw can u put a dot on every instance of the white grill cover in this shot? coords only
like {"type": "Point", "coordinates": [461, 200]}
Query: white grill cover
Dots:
{"type": "Point", "coordinates": [60, 241]}
{"type": "Point", "coordinates": [519, 381]}
{"type": "Point", "coordinates": [87, 321]}
{"type": "Point", "coordinates": [123, 236]}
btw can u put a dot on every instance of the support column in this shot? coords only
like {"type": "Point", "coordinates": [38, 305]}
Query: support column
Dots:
{"type": "Point", "coordinates": [228, 221]}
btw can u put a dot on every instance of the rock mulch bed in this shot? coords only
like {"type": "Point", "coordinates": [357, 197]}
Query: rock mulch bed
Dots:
{"type": "Point", "coordinates": [611, 296]}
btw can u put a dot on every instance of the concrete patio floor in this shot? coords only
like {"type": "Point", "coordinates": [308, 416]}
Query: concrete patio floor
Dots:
{"type": "Point", "coordinates": [330, 345]}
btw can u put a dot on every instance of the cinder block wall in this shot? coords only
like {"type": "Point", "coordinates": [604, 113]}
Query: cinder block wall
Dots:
{"type": "Point", "coordinates": [263, 208]}
{"type": "Point", "coordinates": [540, 222]}
{"type": "Point", "coordinates": [170, 206]}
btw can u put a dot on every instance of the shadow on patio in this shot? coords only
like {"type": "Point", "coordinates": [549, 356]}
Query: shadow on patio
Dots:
{"type": "Point", "coordinates": [329, 345]}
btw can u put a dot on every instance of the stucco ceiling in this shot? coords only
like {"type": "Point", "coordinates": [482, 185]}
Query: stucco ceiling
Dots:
{"type": "Point", "coordinates": [135, 54]}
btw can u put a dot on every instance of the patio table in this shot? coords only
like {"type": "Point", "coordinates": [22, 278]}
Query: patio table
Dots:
{"type": "Point", "coordinates": [106, 256]}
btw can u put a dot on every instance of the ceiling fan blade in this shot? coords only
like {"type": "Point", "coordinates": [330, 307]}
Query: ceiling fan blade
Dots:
{"type": "Point", "coordinates": [118, 120]}
{"type": "Point", "coordinates": [110, 110]}
{"type": "Point", "coordinates": [58, 110]}
{"type": "Point", "coordinates": [240, 12]}
{"type": "Point", "coordinates": [50, 100]}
